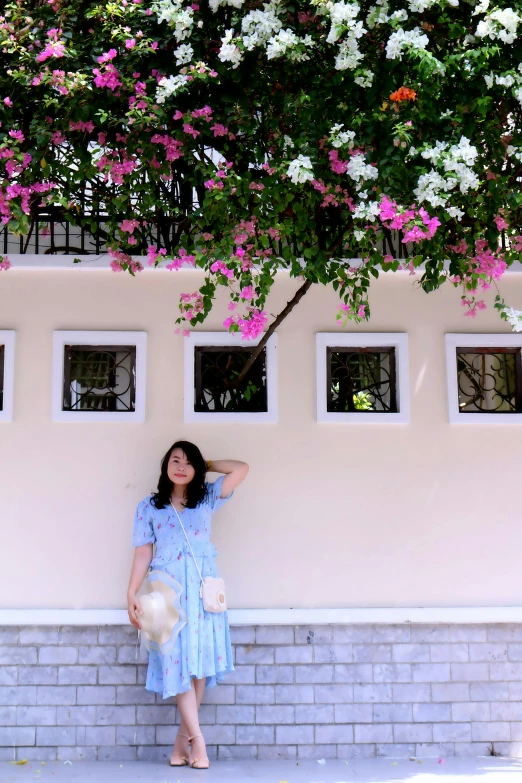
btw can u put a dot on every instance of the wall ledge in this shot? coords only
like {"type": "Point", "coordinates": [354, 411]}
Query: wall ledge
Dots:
{"type": "Point", "coordinates": [340, 616]}
{"type": "Point", "coordinates": [40, 261]}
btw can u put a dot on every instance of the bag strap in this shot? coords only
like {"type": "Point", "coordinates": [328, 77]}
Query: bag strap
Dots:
{"type": "Point", "coordinates": [188, 542]}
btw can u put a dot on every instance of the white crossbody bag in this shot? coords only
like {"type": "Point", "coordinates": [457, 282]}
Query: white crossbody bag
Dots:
{"type": "Point", "coordinates": [212, 589]}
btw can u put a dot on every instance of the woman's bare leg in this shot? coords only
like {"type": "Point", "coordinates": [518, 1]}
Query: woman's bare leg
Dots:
{"type": "Point", "coordinates": [189, 724]}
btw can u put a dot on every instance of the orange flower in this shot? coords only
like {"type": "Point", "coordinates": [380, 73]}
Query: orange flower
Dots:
{"type": "Point", "coordinates": [403, 94]}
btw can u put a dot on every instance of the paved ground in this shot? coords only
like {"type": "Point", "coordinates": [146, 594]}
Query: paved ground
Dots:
{"type": "Point", "coordinates": [457, 770]}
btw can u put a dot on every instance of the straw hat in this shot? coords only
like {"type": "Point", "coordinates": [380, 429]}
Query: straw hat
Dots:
{"type": "Point", "coordinates": [162, 618]}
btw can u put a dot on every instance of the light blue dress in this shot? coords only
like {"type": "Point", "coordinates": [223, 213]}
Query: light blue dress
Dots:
{"type": "Point", "coordinates": [203, 647]}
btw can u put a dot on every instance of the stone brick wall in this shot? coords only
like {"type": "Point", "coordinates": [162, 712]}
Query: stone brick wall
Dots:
{"type": "Point", "coordinates": [297, 692]}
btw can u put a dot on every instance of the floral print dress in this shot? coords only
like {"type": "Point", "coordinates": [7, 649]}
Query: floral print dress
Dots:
{"type": "Point", "coordinates": [203, 647]}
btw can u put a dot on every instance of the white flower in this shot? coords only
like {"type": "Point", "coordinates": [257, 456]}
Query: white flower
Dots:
{"type": "Point", "coordinates": [365, 79]}
{"type": "Point", "coordinates": [429, 189]}
{"type": "Point", "coordinates": [399, 16]}
{"type": "Point", "coordinates": [401, 39]}
{"type": "Point", "coordinates": [514, 152]}
{"type": "Point", "coordinates": [377, 14]}
{"type": "Point", "coordinates": [514, 317]}
{"type": "Point", "coordinates": [360, 171]}
{"type": "Point", "coordinates": [481, 7]}
{"type": "Point", "coordinates": [505, 81]}
{"type": "Point", "coordinates": [172, 12]}
{"type": "Point", "coordinates": [287, 143]}
{"type": "Point", "coordinates": [229, 52]}
{"type": "Point", "coordinates": [183, 54]}
{"type": "Point", "coordinates": [300, 169]}
{"type": "Point", "coordinates": [170, 85]}
{"type": "Point", "coordinates": [488, 78]}
{"type": "Point", "coordinates": [341, 16]}
{"type": "Point", "coordinates": [367, 210]}
{"type": "Point", "coordinates": [501, 24]}
{"type": "Point", "coordinates": [358, 234]}
{"type": "Point", "coordinates": [455, 212]}
{"type": "Point", "coordinates": [257, 27]}
{"type": "Point", "coordinates": [339, 137]}
{"type": "Point", "coordinates": [214, 4]}
{"type": "Point", "coordinates": [280, 43]}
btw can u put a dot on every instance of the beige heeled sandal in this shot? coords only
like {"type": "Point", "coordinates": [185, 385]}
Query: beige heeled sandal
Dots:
{"type": "Point", "coordinates": [183, 759]}
{"type": "Point", "coordinates": [195, 761]}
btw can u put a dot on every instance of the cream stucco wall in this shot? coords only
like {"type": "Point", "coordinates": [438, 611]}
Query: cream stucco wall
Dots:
{"type": "Point", "coordinates": [330, 515]}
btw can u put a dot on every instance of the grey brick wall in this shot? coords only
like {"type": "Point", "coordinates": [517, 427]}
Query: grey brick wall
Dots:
{"type": "Point", "coordinates": [297, 692]}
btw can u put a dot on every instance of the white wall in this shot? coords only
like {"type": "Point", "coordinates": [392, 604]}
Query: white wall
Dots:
{"type": "Point", "coordinates": [330, 515]}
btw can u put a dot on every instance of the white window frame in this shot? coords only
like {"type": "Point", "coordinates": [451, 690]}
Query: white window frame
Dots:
{"type": "Point", "coordinates": [7, 339]}
{"type": "Point", "coordinates": [454, 341]}
{"type": "Point", "coordinates": [397, 340]}
{"type": "Point", "coordinates": [63, 338]}
{"type": "Point", "coordinates": [226, 338]}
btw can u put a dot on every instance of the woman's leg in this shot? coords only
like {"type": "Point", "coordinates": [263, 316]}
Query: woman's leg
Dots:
{"type": "Point", "coordinates": [188, 705]}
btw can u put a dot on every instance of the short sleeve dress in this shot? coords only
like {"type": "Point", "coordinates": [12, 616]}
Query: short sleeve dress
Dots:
{"type": "Point", "coordinates": [203, 647]}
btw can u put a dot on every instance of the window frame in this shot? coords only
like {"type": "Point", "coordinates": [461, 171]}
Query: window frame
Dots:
{"type": "Point", "coordinates": [456, 340]}
{"type": "Point", "coordinates": [202, 339]}
{"type": "Point", "coordinates": [7, 339]}
{"type": "Point", "coordinates": [332, 340]}
{"type": "Point", "coordinates": [98, 338]}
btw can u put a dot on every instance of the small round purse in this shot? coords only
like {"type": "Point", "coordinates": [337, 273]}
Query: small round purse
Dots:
{"type": "Point", "coordinates": [212, 589]}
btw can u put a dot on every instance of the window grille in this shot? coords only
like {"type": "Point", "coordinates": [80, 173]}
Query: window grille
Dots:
{"type": "Point", "coordinates": [489, 380]}
{"type": "Point", "coordinates": [2, 373]}
{"type": "Point", "coordinates": [99, 378]}
{"type": "Point", "coordinates": [361, 380]}
{"type": "Point", "coordinates": [214, 365]}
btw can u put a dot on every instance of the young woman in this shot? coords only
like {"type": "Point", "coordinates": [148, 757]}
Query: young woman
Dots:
{"type": "Point", "coordinates": [202, 654]}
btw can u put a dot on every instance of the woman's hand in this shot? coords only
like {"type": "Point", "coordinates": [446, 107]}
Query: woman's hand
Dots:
{"type": "Point", "coordinates": [134, 608]}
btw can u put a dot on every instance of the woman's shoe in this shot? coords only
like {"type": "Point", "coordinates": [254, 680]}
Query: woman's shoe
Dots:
{"type": "Point", "coordinates": [200, 762]}
{"type": "Point", "coordinates": [183, 759]}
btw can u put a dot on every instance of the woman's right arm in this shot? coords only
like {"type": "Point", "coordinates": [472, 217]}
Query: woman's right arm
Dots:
{"type": "Point", "coordinates": [140, 567]}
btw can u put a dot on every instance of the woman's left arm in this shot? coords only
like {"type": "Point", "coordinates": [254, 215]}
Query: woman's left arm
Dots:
{"type": "Point", "coordinates": [235, 471]}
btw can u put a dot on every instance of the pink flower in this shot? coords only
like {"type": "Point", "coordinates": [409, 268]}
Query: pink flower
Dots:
{"type": "Point", "coordinates": [108, 78]}
{"type": "Point", "coordinates": [336, 164]}
{"type": "Point", "coordinates": [8, 102]}
{"type": "Point", "coordinates": [110, 55]}
{"type": "Point", "coordinates": [219, 130]}
{"type": "Point", "coordinates": [190, 130]}
{"type": "Point", "coordinates": [5, 264]}
{"type": "Point", "coordinates": [16, 134]}
{"type": "Point", "coordinates": [248, 293]}
{"type": "Point", "coordinates": [129, 225]}
{"type": "Point", "coordinates": [52, 49]}
{"type": "Point", "coordinates": [500, 222]}
{"type": "Point", "coordinates": [130, 43]}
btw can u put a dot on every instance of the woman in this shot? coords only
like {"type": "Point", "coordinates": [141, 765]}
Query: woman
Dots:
{"type": "Point", "coordinates": [202, 654]}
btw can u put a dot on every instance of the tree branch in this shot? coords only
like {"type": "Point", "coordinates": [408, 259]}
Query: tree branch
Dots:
{"type": "Point", "coordinates": [271, 329]}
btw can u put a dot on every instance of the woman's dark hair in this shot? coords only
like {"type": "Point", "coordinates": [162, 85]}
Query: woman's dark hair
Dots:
{"type": "Point", "coordinates": [196, 490]}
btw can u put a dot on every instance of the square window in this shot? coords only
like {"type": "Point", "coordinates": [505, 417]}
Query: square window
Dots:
{"type": "Point", "coordinates": [99, 378]}
{"type": "Point", "coordinates": [7, 343]}
{"type": "Point", "coordinates": [362, 377]}
{"type": "Point", "coordinates": [214, 365]}
{"type": "Point", "coordinates": [212, 359]}
{"type": "Point", "coordinates": [484, 375]}
{"type": "Point", "coordinates": [99, 375]}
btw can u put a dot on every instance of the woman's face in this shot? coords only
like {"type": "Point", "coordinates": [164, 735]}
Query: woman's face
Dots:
{"type": "Point", "coordinates": [179, 469]}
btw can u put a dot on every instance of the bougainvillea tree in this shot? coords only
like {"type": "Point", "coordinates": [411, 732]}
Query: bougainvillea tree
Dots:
{"type": "Point", "coordinates": [254, 136]}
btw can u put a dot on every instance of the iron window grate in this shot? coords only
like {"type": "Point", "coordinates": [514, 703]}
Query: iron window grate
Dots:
{"type": "Point", "coordinates": [99, 378]}
{"type": "Point", "coordinates": [489, 380]}
{"type": "Point", "coordinates": [361, 380]}
{"type": "Point", "coordinates": [215, 366]}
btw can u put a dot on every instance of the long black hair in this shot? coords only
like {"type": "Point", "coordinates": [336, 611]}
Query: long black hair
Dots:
{"type": "Point", "coordinates": [196, 490]}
